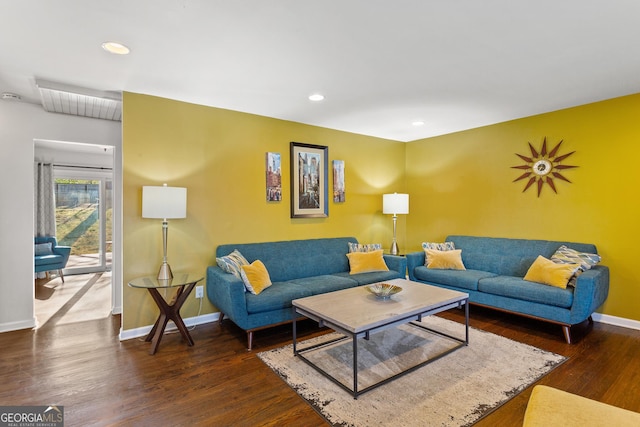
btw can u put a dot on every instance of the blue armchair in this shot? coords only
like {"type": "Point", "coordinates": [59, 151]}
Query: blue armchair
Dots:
{"type": "Point", "coordinates": [49, 256]}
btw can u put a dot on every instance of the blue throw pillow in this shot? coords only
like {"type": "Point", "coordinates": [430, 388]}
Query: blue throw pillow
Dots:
{"type": "Point", "coordinates": [43, 249]}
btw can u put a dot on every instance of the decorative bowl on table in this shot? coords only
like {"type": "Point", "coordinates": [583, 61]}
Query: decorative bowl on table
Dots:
{"type": "Point", "coordinates": [383, 290]}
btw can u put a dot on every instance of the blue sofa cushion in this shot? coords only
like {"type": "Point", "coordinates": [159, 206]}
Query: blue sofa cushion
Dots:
{"type": "Point", "coordinates": [326, 283]}
{"type": "Point", "coordinates": [466, 279]}
{"type": "Point", "coordinates": [294, 259]}
{"type": "Point", "coordinates": [502, 265]}
{"type": "Point", "coordinates": [277, 296]}
{"type": "Point", "coordinates": [508, 257]}
{"type": "Point", "coordinates": [48, 259]}
{"type": "Point", "coordinates": [515, 287]}
{"type": "Point", "coordinates": [372, 276]}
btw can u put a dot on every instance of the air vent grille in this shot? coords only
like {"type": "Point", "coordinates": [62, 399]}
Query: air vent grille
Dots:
{"type": "Point", "coordinates": [66, 99]}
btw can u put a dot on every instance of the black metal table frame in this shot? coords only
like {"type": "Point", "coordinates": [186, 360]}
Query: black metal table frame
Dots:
{"type": "Point", "coordinates": [410, 319]}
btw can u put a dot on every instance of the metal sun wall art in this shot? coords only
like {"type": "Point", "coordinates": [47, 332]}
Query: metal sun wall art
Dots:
{"type": "Point", "coordinates": [543, 166]}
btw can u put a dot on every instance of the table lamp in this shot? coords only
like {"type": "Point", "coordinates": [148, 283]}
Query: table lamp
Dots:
{"type": "Point", "coordinates": [164, 203]}
{"type": "Point", "coordinates": [395, 204]}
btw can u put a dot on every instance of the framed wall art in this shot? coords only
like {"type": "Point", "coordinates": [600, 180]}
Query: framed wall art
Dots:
{"type": "Point", "coordinates": [309, 180]}
{"type": "Point", "coordinates": [338, 181]}
{"type": "Point", "coordinates": [274, 177]}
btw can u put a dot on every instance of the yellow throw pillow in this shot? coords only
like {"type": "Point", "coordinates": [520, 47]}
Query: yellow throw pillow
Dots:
{"type": "Point", "coordinates": [549, 273]}
{"type": "Point", "coordinates": [446, 260]}
{"type": "Point", "coordinates": [255, 277]}
{"type": "Point", "coordinates": [364, 262]}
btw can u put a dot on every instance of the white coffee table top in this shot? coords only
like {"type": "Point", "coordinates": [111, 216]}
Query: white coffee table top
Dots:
{"type": "Point", "coordinates": [356, 309]}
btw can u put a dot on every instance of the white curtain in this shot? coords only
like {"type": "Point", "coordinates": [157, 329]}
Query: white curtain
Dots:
{"type": "Point", "coordinates": [45, 203]}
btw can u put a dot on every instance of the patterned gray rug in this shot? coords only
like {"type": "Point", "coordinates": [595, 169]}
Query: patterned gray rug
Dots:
{"type": "Point", "coordinates": [456, 390]}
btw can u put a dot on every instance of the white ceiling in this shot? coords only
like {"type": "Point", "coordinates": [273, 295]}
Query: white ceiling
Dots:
{"type": "Point", "coordinates": [381, 64]}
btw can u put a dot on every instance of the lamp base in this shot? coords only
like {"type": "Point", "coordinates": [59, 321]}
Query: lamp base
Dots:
{"type": "Point", "coordinates": [394, 248]}
{"type": "Point", "coordinates": [165, 272]}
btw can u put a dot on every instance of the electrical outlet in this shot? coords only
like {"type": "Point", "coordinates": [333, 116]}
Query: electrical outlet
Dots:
{"type": "Point", "coordinates": [199, 291]}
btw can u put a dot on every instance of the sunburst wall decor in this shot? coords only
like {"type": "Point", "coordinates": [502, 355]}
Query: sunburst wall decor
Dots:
{"type": "Point", "coordinates": [543, 166]}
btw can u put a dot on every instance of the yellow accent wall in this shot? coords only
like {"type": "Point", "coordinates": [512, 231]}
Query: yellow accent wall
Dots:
{"type": "Point", "coordinates": [462, 183]}
{"type": "Point", "coordinates": [219, 155]}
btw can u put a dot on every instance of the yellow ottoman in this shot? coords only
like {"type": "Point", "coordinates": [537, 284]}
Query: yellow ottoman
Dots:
{"type": "Point", "coordinates": [549, 407]}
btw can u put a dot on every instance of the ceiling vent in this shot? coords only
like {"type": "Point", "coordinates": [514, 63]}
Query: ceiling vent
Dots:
{"type": "Point", "coordinates": [77, 101]}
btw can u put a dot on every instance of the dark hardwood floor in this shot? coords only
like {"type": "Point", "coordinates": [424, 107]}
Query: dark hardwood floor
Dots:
{"type": "Point", "coordinates": [217, 382]}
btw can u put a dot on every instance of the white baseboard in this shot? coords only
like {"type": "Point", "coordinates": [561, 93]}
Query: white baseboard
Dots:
{"type": "Point", "coordinates": [15, 326]}
{"type": "Point", "coordinates": [190, 321]}
{"type": "Point", "coordinates": [616, 321]}
{"type": "Point", "coordinates": [212, 317]}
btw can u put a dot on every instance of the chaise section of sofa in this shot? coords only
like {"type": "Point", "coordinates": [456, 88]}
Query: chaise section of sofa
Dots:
{"type": "Point", "coordinates": [297, 269]}
{"type": "Point", "coordinates": [494, 277]}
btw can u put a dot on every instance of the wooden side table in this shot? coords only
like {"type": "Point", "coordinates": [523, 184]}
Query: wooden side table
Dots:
{"type": "Point", "coordinates": [184, 282]}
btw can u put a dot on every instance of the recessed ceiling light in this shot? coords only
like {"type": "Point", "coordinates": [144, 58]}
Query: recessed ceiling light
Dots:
{"type": "Point", "coordinates": [316, 97]}
{"type": "Point", "coordinates": [115, 48]}
{"type": "Point", "coordinates": [418, 123]}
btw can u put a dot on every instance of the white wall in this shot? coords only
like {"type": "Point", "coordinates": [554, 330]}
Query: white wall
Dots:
{"type": "Point", "coordinates": [77, 155]}
{"type": "Point", "coordinates": [20, 124]}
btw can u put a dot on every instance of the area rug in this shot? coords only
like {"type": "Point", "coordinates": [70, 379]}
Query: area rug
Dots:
{"type": "Point", "coordinates": [455, 390]}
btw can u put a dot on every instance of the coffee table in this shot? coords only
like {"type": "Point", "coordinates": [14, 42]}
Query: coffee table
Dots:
{"type": "Point", "coordinates": [356, 313]}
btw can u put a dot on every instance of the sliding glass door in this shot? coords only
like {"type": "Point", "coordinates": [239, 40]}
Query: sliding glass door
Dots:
{"type": "Point", "coordinates": [84, 206]}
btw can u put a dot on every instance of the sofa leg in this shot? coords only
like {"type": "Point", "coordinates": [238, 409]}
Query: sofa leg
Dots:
{"type": "Point", "coordinates": [591, 319]}
{"type": "Point", "coordinates": [220, 318]}
{"type": "Point", "coordinates": [567, 333]}
{"type": "Point", "coordinates": [61, 275]}
{"type": "Point", "coordinates": [249, 340]}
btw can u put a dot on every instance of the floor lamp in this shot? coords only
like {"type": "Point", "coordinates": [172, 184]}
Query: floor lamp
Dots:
{"type": "Point", "coordinates": [395, 204]}
{"type": "Point", "coordinates": [164, 203]}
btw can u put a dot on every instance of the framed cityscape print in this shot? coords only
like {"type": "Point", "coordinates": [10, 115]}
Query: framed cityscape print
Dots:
{"type": "Point", "coordinates": [274, 177]}
{"type": "Point", "coordinates": [338, 181]}
{"type": "Point", "coordinates": [309, 189]}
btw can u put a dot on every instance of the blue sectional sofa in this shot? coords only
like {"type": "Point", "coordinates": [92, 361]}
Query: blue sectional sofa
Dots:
{"type": "Point", "coordinates": [494, 273]}
{"type": "Point", "coordinates": [297, 268]}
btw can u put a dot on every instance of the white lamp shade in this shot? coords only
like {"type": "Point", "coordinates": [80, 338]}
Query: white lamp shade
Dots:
{"type": "Point", "coordinates": [395, 203]}
{"type": "Point", "coordinates": [164, 202]}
